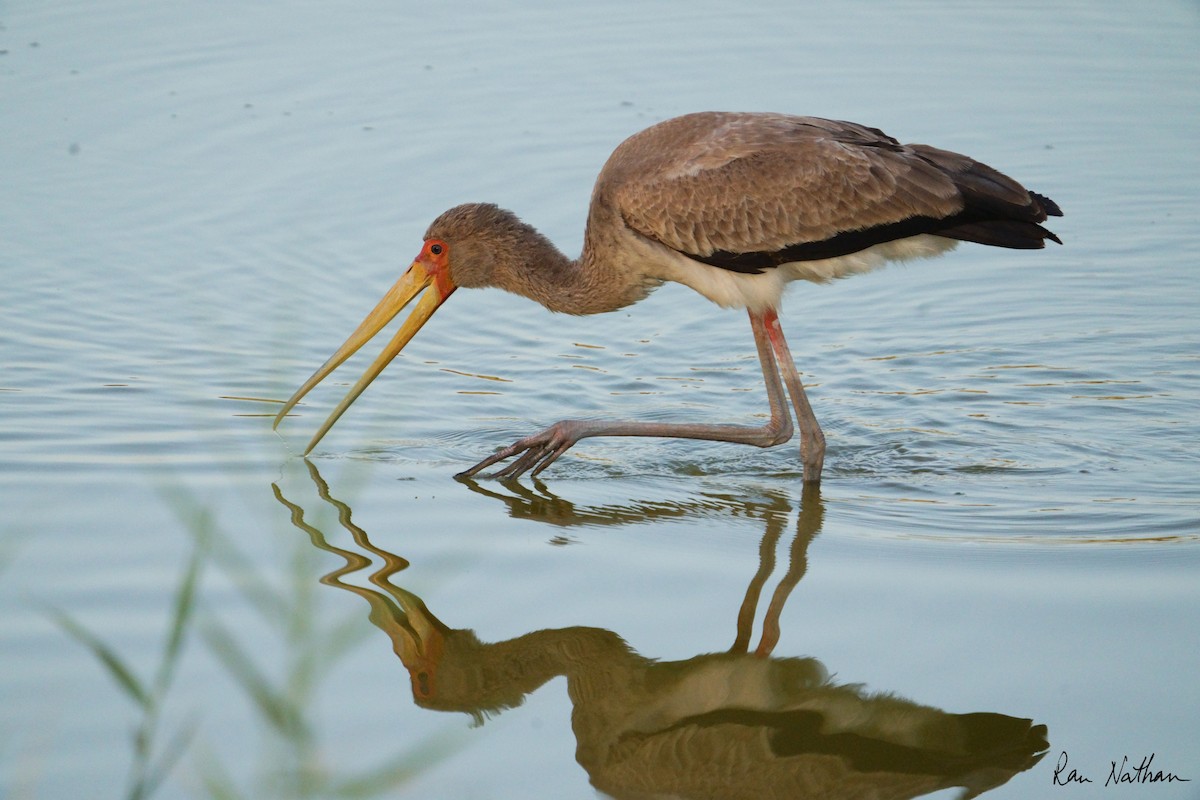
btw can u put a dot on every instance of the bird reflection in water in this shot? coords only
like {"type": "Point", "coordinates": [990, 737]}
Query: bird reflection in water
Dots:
{"type": "Point", "coordinates": [732, 724]}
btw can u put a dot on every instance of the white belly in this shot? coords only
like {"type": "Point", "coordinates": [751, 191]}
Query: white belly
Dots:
{"type": "Point", "coordinates": [765, 290]}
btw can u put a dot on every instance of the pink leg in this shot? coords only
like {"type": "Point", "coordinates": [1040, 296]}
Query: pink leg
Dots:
{"type": "Point", "coordinates": [812, 440]}
{"type": "Point", "coordinates": [541, 450]}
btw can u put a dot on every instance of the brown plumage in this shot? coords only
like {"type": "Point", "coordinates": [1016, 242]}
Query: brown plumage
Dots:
{"type": "Point", "coordinates": [736, 206]}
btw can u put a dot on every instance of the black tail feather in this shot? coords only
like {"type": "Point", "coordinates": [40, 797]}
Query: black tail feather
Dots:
{"type": "Point", "coordinates": [1049, 206]}
{"type": "Point", "coordinates": [1017, 234]}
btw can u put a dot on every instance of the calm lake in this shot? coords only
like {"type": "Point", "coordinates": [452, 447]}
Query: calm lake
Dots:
{"type": "Point", "coordinates": [995, 590]}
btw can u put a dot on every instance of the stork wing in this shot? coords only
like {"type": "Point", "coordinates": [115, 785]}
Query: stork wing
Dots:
{"type": "Point", "coordinates": [747, 191]}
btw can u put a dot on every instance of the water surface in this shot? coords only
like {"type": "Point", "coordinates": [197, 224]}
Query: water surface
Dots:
{"type": "Point", "coordinates": [201, 201]}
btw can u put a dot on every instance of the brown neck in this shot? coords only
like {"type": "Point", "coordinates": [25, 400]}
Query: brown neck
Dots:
{"type": "Point", "coordinates": [590, 284]}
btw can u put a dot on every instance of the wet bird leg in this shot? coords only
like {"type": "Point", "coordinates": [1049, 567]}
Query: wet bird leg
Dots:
{"type": "Point", "coordinates": [541, 450]}
{"type": "Point", "coordinates": [812, 440]}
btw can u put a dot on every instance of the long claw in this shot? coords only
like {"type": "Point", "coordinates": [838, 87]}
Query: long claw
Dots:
{"type": "Point", "coordinates": [522, 464]}
{"type": "Point", "coordinates": [550, 458]}
{"type": "Point", "coordinates": [500, 455]}
{"type": "Point", "coordinates": [532, 453]}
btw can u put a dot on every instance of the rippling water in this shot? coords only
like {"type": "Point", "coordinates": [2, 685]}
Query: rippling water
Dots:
{"type": "Point", "coordinates": [200, 202]}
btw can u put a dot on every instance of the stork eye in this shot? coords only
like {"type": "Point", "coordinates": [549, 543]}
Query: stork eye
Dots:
{"type": "Point", "coordinates": [437, 248]}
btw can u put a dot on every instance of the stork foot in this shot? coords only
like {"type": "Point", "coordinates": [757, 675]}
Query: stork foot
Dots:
{"type": "Point", "coordinates": [533, 452]}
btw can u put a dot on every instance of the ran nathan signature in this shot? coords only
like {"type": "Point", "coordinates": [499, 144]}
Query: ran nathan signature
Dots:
{"type": "Point", "coordinates": [1125, 772]}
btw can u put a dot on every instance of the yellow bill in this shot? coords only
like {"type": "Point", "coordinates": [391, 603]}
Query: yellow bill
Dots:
{"type": "Point", "coordinates": [414, 280]}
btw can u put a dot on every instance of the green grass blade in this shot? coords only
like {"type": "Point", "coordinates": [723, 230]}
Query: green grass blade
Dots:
{"type": "Point", "coordinates": [218, 783]}
{"type": "Point", "coordinates": [272, 704]}
{"type": "Point", "coordinates": [340, 640]}
{"type": "Point", "coordinates": [224, 553]}
{"type": "Point", "coordinates": [116, 666]}
{"type": "Point", "coordinates": [398, 770]}
{"type": "Point", "coordinates": [181, 615]}
{"type": "Point", "coordinates": [171, 753]}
